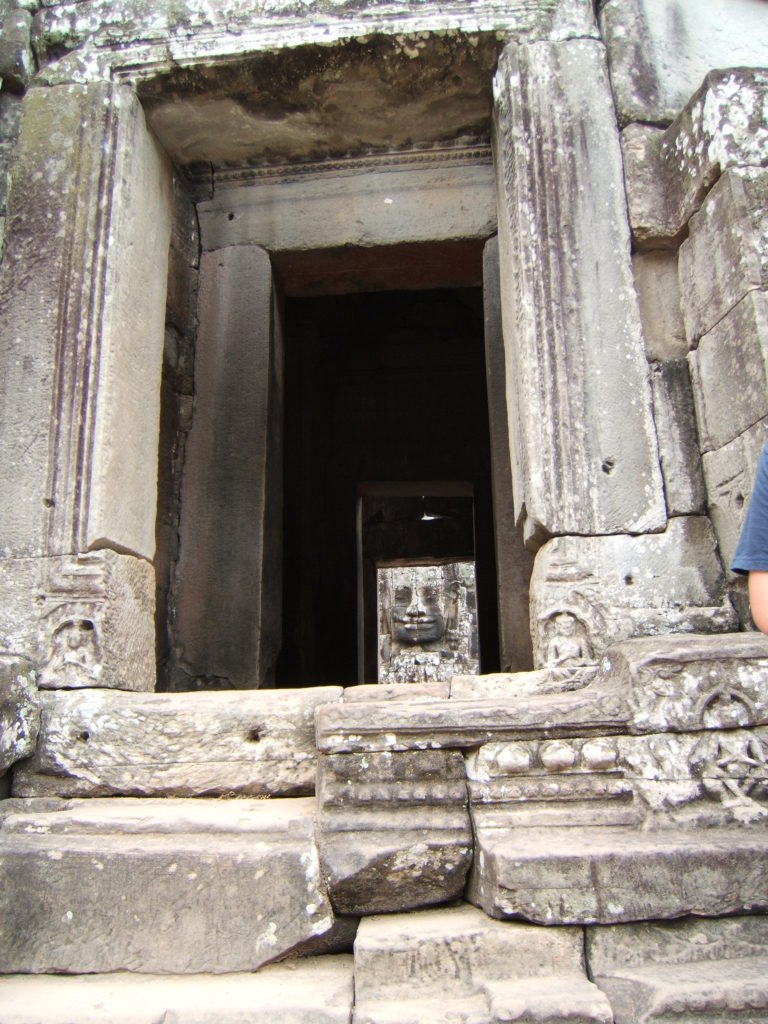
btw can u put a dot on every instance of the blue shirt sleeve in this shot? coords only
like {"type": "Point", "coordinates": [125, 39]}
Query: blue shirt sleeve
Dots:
{"type": "Point", "coordinates": [752, 549]}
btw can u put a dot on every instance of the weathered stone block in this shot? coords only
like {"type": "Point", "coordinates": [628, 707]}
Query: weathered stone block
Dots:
{"type": "Point", "coordinates": [668, 173]}
{"type": "Point", "coordinates": [581, 431]}
{"type": "Point", "coordinates": [611, 874]}
{"type": "Point", "coordinates": [729, 473]}
{"type": "Point", "coordinates": [590, 592]}
{"type": "Point", "coordinates": [16, 62]}
{"type": "Point", "coordinates": [726, 253]}
{"type": "Point", "coordinates": [710, 971]}
{"type": "Point", "coordinates": [512, 685]}
{"type": "Point", "coordinates": [729, 372]}
{"type": "Point", "coordinates": [659, 51]}
{"type": "Point", "coordinates": [412, 841]}
{"type": "Point", "coordinates": [658, 293]}
{"type": "Point", "coordinates": [228, 579]}
{"type": "Point", "coordinates": [410, 969]}
{"type": "Point", "coordinates": [84, 620]}
{"type": "Point", "coordinates": [19, 710]}
{"type": "Point", "coordinates": [319, 989]}
{"type": "Point", "coordinates": [170, 886]}
{"type": "Point", "coordinates": [675, 418]}
{"type": "Point", "coordinates": [98, 743]}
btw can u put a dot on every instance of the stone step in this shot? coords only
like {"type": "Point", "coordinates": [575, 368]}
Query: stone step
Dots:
{"type": "Point", "coordinates": [708, 971]}
{"type": "Point", "coordinates": [161, 886]}
{"type": "Point", "coordinates": [319, 989]}
{"type": "Point", "coordinates": [455, 964]}
{"type": "Point", "coordinates": [605, 875]}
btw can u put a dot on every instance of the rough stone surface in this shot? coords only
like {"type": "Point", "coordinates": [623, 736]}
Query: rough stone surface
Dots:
{"type": "Point", "coordinates": [726, 253]}
{"type": "Point", "coordinates": [162, 34]}
{"type": "Point", "coordinates": [729, 371]}
{"type": "Point", "coordinates": [710, 971]}
{"type": "Point", "coordinates": [16, 61]}
{"type": "Point", "coordinates": [169, 886]}
{"type": "Point", "coordinates": [658, 292]}
{"type": "Point", "coordinates": [99, 743]}
{"type": "Point", "coordinates": [729, 473]}
{"type": "Point", "coordinates": [514, 563]}
{"type": "Point", "coordinates": [668, 173]}
{"type": "Point", "coordinates": [228, 582]}
{"type": "Point", "coordinates": [512, 685]}
{"type": "Point", "coordinates": [438, 965]}
{"type": "Point", "coordinates": [317, 989]}
{"type": "Point", "coordinates": [85, 621]}
{"type": "Point", "coordinates": [675, 418]}
{"type": "Point", "coordinates": [610, 874]}
{"type": "Point", "coordinates": [659, 50]}
{"type": "Point", "coordinates": [19, 710]}
{"type": "Point", "coordinates": [408, 814]}
{"type": "Point", "coordinates": [581, 431]}
{"type": "Point", "coordinates": [589, 592]}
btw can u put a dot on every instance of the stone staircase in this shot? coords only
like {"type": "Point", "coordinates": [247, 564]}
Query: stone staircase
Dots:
{"type": "Point", "coordinates": [145, 877]}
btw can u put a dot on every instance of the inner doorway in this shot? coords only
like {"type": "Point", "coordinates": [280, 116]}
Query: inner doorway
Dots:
{"type": "Point", "coordinates": [379, 386]}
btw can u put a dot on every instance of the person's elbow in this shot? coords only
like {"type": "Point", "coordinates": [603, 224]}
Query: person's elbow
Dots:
{"type": "Point", "coordinates": [758, 599]}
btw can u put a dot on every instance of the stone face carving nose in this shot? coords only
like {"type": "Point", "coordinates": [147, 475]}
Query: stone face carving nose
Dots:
{"type": "Point", "coordinates": [416, 607]}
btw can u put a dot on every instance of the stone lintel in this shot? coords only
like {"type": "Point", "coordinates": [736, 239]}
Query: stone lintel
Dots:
{"type": "Point", "coordinates": [431, 197]}
{"type": "Point", "coordinates": [585, 455]}
{"type": "Point", "coordinates": [101, 37]}
{"type": "Point", "coordinates": [99, 743]}
{"type": "Point", "coordinates": [669, 172]}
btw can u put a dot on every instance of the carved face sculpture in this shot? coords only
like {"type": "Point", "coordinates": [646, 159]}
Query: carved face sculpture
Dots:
{"type": "Point", "coordinates": [418, 613]}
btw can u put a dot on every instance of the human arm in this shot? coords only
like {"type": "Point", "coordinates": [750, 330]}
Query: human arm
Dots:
{"type": "Point", "coordinates": [758, 598]}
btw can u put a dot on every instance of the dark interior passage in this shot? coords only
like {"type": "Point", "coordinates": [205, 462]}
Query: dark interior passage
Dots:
{"type": "Point", "coordinates": [385, 386]}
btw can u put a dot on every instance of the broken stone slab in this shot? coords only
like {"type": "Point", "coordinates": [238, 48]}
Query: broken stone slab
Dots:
{"type": "Point", "coordinates": [166, 886]}
{"type": "Point", "coordinates": [19, 710]}
{"type": "Point", "coordinates": [317, 988]}
{"type": "Point", "coordinates": [607, 875]}
{"type": "Point", "coordinates": [590, 592]}
{"type": "Point", "coordinates": [102, 743]}
{"type": "Point", "coordinates": [658, 293]}
{"type": "Point", "coordinates": [675, 418]}
{"type": "Point", "coordinates": [669, 172]}
{"type": "Point", "coordinates": [659, 54]}
{"type": "Point", "coordinates": [393, 829]}
{"type": "Point", "coordinates": [437, 965]}
{"type": "Point", "coordinates": [729, 372]}
{"type": "Point", "coordinates": [726, 252]}
{"type": "Point", "coordinates": [83, 620]}
{"type": "Point", "coordinates": [583, 446]}
{"type": "Point", "coordinates": [729, 473]}
{"type": "Point", "coordinates": [675, 682]}
{"type": "Point", "coordinates": [710, 971]}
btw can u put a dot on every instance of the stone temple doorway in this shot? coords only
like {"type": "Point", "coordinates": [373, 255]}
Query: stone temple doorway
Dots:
{"type": "Point", "coordinates": [386, 386]}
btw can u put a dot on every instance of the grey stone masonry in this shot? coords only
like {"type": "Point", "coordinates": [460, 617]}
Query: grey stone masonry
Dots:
{"type": "Point", "coordinates": [669, 172]}
{"type": "Point", "coordinates": [584, 454]}
{"type": "Point", "coordinates": [726, 253]}
{"type": "Point", "coordinates": [106, 743]}
{"type": "Point", "coordinates": [673, 412]}
{"type": "Point", "coordinates": [19, 711]}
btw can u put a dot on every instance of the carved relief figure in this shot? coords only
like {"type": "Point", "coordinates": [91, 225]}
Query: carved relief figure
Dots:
{"type": "Point", "coordinates": [427, 627]}
{"type": "Point", "coordinates": [75, 658]}
{"type": "Point", "coordinates": [568, 641]}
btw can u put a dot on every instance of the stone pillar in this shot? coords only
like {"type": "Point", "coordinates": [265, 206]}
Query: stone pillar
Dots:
{"type": "Point", "coordinates": [82, 305]}
{"type": "Point", "coordinates": [584, 450]}
{"type": "Point", "coordinates": [228, 582]}
{"type": "Point", "coordinates": [514, 563]}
